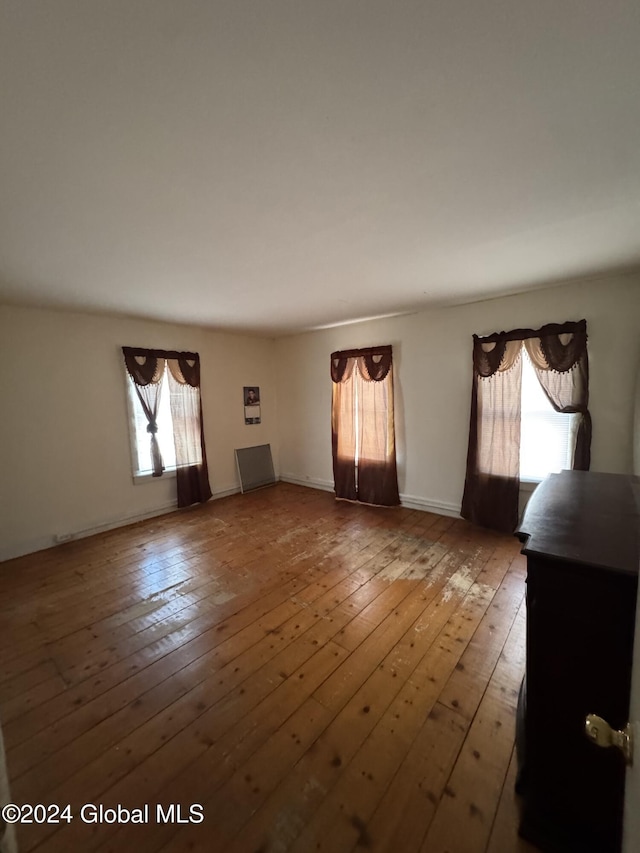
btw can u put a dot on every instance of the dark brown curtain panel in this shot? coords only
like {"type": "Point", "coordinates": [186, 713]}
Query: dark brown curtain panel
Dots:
{"type": "Point", "coordinates": [362, 426]}
{"type": "Point", "coordinates": [146, 368]}
{"type": "Point", "coordinates": [343, 426]}
{"type": "Point", "coordinates": [493, 460]}
{"type": "Point", "coordinates": [192, 474]}
{"type": "Point", "coordinates": [558, 353]}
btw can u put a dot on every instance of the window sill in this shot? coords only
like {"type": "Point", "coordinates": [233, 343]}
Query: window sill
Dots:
{"type": "Point", "coordinates": [167, 474]}
{"type": "Point", "coordinates": [529, 485]}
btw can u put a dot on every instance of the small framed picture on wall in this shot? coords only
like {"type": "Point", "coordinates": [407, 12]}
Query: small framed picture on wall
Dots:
{"type": "Point", "coordinates": [251, 395]}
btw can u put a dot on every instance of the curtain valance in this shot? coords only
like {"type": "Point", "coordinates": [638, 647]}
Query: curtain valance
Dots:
{"type": "Point", "coordinates": [146, 366]}
{"type": "Point", "coordinates": [373, 363]}
{"type": "Point", "coordinates": [556, 346]}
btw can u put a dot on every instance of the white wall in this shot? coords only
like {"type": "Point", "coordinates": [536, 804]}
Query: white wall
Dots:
{"type": "Point", "coordinates": [66, 461]}
{"type": "Point", "coordinates": [432, 369]}
{"type": "Point", "coordinates": [65, 466]}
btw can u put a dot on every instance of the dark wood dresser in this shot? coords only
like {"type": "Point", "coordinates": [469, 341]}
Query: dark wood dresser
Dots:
{"type": "Point", "coordinates": [580, 532]}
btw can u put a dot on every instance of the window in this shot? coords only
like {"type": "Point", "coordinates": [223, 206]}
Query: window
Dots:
{"type": "Point", "coordinates": [529, 416]}
{"type": "Point", "coordinates": [362, 426]}
{"type": "Point", "coordinates": [163, 390]}
{"type": "Point", "coordinates": [141, 446]}
{"type": "Point", "coordinates": [370, 418]}
{"type": "Point", "coordinates": [547, 437]}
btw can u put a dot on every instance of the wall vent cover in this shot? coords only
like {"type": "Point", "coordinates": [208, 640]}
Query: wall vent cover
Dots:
{"type": "Point", "coordinates": [255, 467]}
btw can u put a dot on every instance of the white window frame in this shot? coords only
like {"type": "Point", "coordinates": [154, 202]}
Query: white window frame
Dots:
{"type": "Point", "coordinates": [142, 476]}
{"type": "Point", "coordinates": [573, 421]}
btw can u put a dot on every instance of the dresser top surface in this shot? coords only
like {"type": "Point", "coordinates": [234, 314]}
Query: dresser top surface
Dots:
{"type": "Point", "coordinates": [585, 517]}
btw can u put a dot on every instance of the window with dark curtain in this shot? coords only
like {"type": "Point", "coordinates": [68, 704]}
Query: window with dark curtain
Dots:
{"type": "Point", "coordinates": [362, 426]}
{"type": "Point", "coordinates": [558, 354]}
{"type": "Point", "coordinates": [146, 370]}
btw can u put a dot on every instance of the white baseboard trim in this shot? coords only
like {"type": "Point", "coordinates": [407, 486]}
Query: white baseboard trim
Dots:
{"type": "Point", "coordinates": [43, 542]}
{"type": "Point", "coordinates": [163, 509]}
{"type": "Point", "coordinates": [122, 522]}
{"type": "Point", "coordinates": [410, 501]}
{"type": "Point", "coordinates": [225, 493]}
{"type": "Point", "coordinates": [309, 482]}
{"type": "Point", "coordinates": [430, 505]}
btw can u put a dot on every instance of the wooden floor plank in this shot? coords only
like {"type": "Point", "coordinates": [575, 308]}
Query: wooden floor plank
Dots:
{"type": "Point", "coordinates": [418, 785]}
{"type": "Point", "coordinates": [344, 678]}
{"type": "Point", "coordinates": [428, 658]}
{"type": "Point", "coordinates": [504, 833]}
{"type": "Point", "coordinates": [464, 818]}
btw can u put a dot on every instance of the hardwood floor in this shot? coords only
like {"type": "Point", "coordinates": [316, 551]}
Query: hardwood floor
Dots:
{"type": "Point", "coordinates": [316, 675]}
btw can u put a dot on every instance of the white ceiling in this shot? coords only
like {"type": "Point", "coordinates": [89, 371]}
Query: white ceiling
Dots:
{"type": "Point", "coordinates": [275, 165]}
